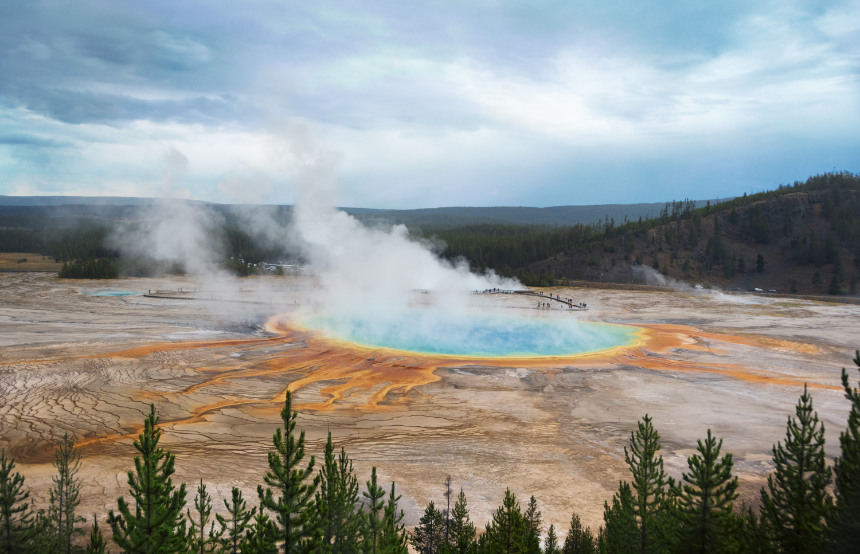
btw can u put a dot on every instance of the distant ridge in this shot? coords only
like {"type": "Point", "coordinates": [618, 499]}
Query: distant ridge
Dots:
{"type": "Point", "coordinates": [74, 200]}
{"type": "Point", "coordinates": [430, 218]}
{"type": "Point", "coordinates": [517, 215]}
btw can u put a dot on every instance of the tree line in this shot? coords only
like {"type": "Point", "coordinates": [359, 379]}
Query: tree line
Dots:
{"type": "Point", "coordinates": [302, 509]}
{"type": "Point", "coordinates": [84, 252]}
{"type": "Point", "coordinates": [739, 236]}
{"type": "Point", "coordinates": [727, 240]}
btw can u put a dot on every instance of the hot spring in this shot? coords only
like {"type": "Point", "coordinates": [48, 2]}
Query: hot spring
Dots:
{"type": "Point", "coordinates": [476, 334]}
{"type": "Point", "coordinates": [111, 292]}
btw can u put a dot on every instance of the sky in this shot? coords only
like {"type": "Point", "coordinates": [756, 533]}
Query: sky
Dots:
{"type": "Point", "coordinates": [427, 103]}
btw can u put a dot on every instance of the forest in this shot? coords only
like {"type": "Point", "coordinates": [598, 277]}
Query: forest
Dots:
{"type": "Point", "coordinates": [801, 238]}
{"type": "Point", "coordinates": [806, 506]}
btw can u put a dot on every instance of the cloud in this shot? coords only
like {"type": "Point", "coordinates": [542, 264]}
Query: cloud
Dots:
{"type": "Point", "coordinates": [434, 103]}
{"type": "Point", "coordinates": [31, 140]}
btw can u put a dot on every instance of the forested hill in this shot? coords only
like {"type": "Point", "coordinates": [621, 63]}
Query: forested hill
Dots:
{"type": "Point", "coordinates": [801, 238]}
{"type": "Point", "coordinates": [434, 219]}
{"type": "Point", "coordinates": [52, 209]}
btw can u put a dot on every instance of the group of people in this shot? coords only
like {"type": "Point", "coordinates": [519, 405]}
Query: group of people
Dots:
{"type": "Point", "coordinates": [569, 301]}
{"type": "Point", "coordinates": [571, 305]}
{"type": "Point", "coordinates": [540, 305]}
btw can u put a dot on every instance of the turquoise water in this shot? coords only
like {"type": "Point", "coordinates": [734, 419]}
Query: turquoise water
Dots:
{"type": "Point", "coordinates": [111, 292]}
{"type": "Point", "coordinates": [478, 335]}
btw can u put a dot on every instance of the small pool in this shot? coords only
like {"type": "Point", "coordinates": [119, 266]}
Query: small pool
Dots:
{"type": "Point", "coordinates": [478, 335]}
{"type": "Point", "coordinates": [111, 292]}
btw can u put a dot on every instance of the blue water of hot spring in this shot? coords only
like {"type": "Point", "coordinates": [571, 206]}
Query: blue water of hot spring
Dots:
{"type": "Point", "coordinates": [111, 292]}
{"type": "Point", "coordinates": [478, 335]}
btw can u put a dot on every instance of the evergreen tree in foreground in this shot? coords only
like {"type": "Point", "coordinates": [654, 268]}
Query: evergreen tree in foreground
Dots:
{"type": "Point", "coordinates": [156, 525]}
{"type": "Point", "coordinates": [235, 524]}
{"type": "Point", "coordinates": [648, 485]}
{"type": "Point", "coordinates": [507, 531]}
{"type": "Point", "coordinates": [620, 533]}
{"type": "Point", "coordinates": [551, 546]}
{"type": "Point", "coordinates": [260, 538]}
{"type": "Point", "coordinates": [461, 533]}
{"type": "Point", "coordinates": [745, 532]}
{"type": "Point", "coordinates": [796, 502]}
{"type": "Point", "coordinates": [17, 528]}
{"type": "Point", "coordinates": [392, 538]}
{"type": "Point", "coordinates": [65, 495]}
{"type": "Point", "coordinates": [375, 514]}
{"type": "Point", "coordinates": [705, 498]}
{"type": "Point", "coordinates": [291, 488]}
{"type": "Point", "coordinates": [97, 544]}
{"type": "Point", "coordinates": [201, 540]}
{"type": "Point", "coordinates": [336, 500]}
{"type": "Point", "coordinates": [579, 539]}
{"type": "Point", "coordinates": [534, 527]}
{"type": "Point", "coordinates": [429, 536]}
{"type": "Point", "coordinates": [844, 523]}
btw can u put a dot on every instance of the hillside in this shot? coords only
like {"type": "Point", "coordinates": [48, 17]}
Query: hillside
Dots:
{"type": "Point", "coordinates": [66, 210]}
{"type": "Point", "coordinates": [433, 219]}
{"type": "Point", "coordinates": [803, 238]}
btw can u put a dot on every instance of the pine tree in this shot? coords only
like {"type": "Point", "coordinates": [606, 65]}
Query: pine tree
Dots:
{"type": "Point", "coordinates": [551, 546]}
{"type": "Point", "coordinates": [534, 526]}
{"type": "Point", "coordinates": [335, 502]}
{"type": "Point", "coordinates": [744, 533]}
{"type": "Point", "coordinates": [796, 502]}
{"type": "Point", "coordinates": [235, 525]}
{"type": "Point", "coordinates": [392, 537]}
{"type": "Point", "coordinates": [65, 495]}
{"type": "Point", "coordinates": [620, 532]}
{"type": "Point", "coordinates": [481, 543]}
{"type": "Point", "coordinates": [461, 537]}
{"type": "Point", "coordinates": [375, 513]}
{"type": "Point", "coordinates": [199, 539]}
{"type": "Point", "coordinates": [42, 540]}
{"type": "Point", "coordinates": [705, 497]}
{"type": "Point", "coordinates": [290, 492]}
{"type": "Point", "coordinates": [156, 524]}
{"type": "Point", "coordinates": [326, 496]}
{"type": "Point", "coordinates": [17, 527]}
{"type": "Point", "coordinates": [649, 482]}
{"type": "Point", "coordinates": [96, 544]}
{"type": "Point", "coordinates": [429, 536]}
{"type": "Point", "coordinates": [844, 524]}
{"type": "Point", "coordinates": [579, 539]}
{"type": "Point", "coordinates": [507, 531]}
{"type": "Point", "coordinates": [260, 538]}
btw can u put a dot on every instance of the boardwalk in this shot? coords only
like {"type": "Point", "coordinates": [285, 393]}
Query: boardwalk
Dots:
{"type": "Point", "coordinates": [197, 295]}
{"type": "Point", "coordinates": [545, 300]}
{"type": "Point", "coordinates": [543, 297]}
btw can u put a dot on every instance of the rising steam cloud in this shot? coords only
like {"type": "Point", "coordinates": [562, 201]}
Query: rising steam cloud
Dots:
{"type": "Point", "coordinates": [650, 276]}
{"type": "Point", "coordinates": [368, 273]}
{"type": "Point", "coordinates": [371, 270]}
{"type": "Point", "coordinates": [365, 267]}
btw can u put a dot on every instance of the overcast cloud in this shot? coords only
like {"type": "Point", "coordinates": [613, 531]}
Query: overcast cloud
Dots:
{"type": "Point", "coordinates": [424, 104]}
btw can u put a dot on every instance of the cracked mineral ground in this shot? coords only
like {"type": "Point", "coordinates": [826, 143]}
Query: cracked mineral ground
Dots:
{"type": "Point", "coordinates": [89, 358]}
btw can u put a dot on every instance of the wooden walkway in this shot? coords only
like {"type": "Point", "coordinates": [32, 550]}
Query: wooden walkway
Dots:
{"type": "Point", "coordinates": [196, 295]}
{"type": "Point", "coordinates": [548, 297]}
